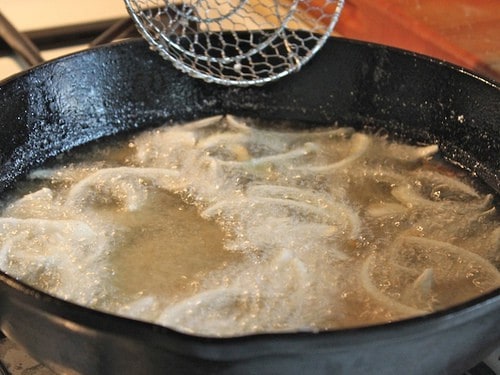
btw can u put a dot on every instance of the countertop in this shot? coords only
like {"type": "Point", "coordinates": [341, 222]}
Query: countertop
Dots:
{"type": "Point", "coordinates": [464, 32]}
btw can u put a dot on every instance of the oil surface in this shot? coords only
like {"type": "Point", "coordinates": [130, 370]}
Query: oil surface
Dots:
{"type": "Point", "coordinates": [225, 227]}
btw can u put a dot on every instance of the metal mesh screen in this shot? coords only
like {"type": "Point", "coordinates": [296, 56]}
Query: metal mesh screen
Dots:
{"type": "Point", "coordinates": [236, 42]}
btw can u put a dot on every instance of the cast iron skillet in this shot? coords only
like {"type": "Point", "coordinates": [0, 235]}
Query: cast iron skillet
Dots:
{"type": "Point", "coordinates": [123, 87]}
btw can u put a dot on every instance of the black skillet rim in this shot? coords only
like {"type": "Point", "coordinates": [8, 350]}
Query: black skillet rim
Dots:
{"type": "Point", "coordinates": [99, 320]}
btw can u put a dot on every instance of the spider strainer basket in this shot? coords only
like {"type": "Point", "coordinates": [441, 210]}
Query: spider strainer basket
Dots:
{"type": "Point", "coordinates": [236, 42]}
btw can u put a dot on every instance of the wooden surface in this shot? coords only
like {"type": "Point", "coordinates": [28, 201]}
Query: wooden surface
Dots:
{"type": "Point", "coordinates": [464, 32]}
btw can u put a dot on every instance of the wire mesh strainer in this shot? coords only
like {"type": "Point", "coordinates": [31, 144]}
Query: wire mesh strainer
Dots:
{"type": "Point", "coordinates": [236, 42]}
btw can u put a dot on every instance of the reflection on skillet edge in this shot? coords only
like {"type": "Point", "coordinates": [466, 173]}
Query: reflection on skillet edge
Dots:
{"type": "Point", "coordinates": [297, 230]}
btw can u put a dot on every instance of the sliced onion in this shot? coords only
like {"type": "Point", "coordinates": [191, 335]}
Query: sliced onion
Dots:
{"type": "Point", "coordinates": [384, 299]}
{"type": "Point", "coordinates": [360, 144]}
{"type": "Point", "coordinates": [124, 184]}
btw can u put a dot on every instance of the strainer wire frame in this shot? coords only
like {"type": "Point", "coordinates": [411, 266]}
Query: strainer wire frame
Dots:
{"type": "Point", "coordinates": [224, 60]}
{"type": "Point", "coordinates": [163, 50]}
{"type": "Point", "coordinates": [222, 17]}
{"type": "Point", "coordinates": [237, 58]}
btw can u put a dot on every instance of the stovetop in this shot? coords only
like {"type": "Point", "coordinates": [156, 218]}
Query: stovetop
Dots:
{"type": "Point", "coordinates": [60, 27]}
{"type": "Point", "coordinates": [15, 361]}
{"type": "Point", "coordinates": [56, 27]}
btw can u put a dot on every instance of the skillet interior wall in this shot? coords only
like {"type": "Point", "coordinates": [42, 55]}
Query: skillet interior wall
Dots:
{"type": "Point", "coordinates": [107, 90]}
